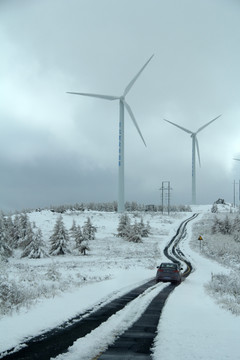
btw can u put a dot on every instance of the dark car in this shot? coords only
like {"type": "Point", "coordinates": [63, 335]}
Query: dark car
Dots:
{"type": "Point", "coordinates": [169, 272]}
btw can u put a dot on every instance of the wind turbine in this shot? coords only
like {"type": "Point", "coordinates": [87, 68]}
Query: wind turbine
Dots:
{"type": "Point", "coordinates": [194, 146]}
{"type": "Point", "coordinates": [122, 105]}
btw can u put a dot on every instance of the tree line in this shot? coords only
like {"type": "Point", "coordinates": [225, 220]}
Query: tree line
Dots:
{"type": "Point", "coordinates": [110, 207]}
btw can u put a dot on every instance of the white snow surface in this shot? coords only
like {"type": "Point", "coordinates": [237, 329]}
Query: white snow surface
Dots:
{"type": "Point", "coordinates": [192, 324]}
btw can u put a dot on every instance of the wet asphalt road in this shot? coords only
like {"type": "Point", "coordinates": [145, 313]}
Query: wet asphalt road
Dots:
{"type": "Point", "coordinates": [136, 342]}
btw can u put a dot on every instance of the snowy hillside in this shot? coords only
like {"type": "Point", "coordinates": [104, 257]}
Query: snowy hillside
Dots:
{"type": "Point", "coordinates": [54, 289]}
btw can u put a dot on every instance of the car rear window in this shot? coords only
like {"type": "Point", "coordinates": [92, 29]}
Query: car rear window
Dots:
{"type": "Point", "coordinates": [169, 266]}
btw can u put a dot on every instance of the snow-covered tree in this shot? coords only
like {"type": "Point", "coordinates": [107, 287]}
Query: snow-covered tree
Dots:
{"type": "Point", "coordinates": [16, 231]}
{"type": "Point", "coordinates": [84, 247]}
{"type": "Point", "coordinates": [73, 227]}
{"type": "Point", "coordinates": [78, 237]}
{"type": "Point", "coordinates": [144, 229]}
{"type": "Point", "coordinates": [89, 230]}
{"type": "Point", "coordinates": [35, 249]}
{"type": "Point", "coordinates": [81, 239]}
{"type": "Point", "coordinates": [28, 237]}
{"type": "Point", "coordinates": [23, 225]}
{"type": "Point", "coordinates": [123, 226]}
{"type": "Point", "coordinates": [8, 222]}
{"type": "Point", "coordinates": [11, 295]}
{"type": "Point", "coordinates": [134, 234]}
{"type": "Point", "coordinates": [5, 248]}
{"type": "Point", "coordinates": [59, 239]}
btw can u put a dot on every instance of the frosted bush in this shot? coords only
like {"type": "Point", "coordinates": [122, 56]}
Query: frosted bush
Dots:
{"type": "Point", "coordinates": [226, 288]}
{"type": "Point", "coordinates": [220, 242]}
{"type": "Point", "coordinates": [11, 294]}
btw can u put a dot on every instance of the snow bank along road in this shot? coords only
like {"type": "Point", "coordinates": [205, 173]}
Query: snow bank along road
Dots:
{"type": "Point", "coordinates": [142, 308]}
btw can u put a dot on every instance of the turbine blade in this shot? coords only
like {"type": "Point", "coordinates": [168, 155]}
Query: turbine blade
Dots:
{"type": "Point", "coordinates": [134, 120]}
{"type": "Point", "coordinates": [106, 97]}
{"type": "Point", "coordinates": [198, 152]}
{"type": "Point", "coordinates": [180, 127]}
{"type": "Point", "coordinates": [201, 128]}
{"type": "Point", "coordinates": [135, 78]}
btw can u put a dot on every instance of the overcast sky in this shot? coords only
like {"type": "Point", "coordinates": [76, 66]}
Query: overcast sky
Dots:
{"type": "Point", "coordinates": [62, 149]}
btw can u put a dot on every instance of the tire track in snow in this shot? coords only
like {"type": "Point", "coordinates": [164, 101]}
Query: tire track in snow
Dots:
{"type": "Point", "coordinates": [58, 340]}
{"type": "Point", "coordinates": [95, 343]}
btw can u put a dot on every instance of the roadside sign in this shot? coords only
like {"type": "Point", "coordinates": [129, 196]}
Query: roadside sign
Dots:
{"type": "Point", "coordinates": [200, 238]}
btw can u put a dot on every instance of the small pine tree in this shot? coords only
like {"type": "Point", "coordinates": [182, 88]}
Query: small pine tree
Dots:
{"type": "Point", "coordinates": [144, 229]}
{"type": "Point", "coordinates": [73, 227]}
{"type": "Point", "coordinates": [123, 226]}
{"type": "Point", "coordinates": [78, 237]}
{"type": "Point", "coordinates": [135, 234]}
{"type": "Point", "coordinates": [16, 231]}
{"type": "Point", "coordinates": [8, 223]}
{"type": "Point", "coordinates": [5, 248]}
{"type": "Point", "coordinates": [23, 225]}
{"type": "Point", "coordinates": [89, 230]}
{"type": "Point", "coordinates": [59, 239]}
{"type": "Point", "coordinates": [84, 247]}
{"type": "Point", "coordinates": [35, 249]}
{"type": "Point", "coordinates": [28, 236]}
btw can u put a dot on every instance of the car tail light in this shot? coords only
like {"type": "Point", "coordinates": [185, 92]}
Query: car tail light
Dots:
{"type": "Point", "coordinates": [160, 270]}
{"type": "Point", "coordinates": [176, 271]}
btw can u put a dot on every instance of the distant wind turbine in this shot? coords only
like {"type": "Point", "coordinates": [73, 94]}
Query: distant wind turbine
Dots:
{"type": "Point", "coordinates": [122, 104]}
{"type": "Point", "coordinates": [194, 146]}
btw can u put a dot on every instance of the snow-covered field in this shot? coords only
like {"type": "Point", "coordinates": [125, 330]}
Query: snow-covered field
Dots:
{"type": "Point", "coordinates": [193, 325]}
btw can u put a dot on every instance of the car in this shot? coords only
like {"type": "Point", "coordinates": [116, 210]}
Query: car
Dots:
{"type": "Point", "coordinates": [169, 272]}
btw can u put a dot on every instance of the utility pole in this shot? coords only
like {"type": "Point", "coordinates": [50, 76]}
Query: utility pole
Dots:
{"type": "Point", "coordinates": [166, 188]}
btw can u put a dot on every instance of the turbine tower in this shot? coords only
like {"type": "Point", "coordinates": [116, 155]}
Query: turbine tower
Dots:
{"type": "Point", "coordinates": [194, 146]}
{"type": "Point", "coordinates": [122, 105]}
